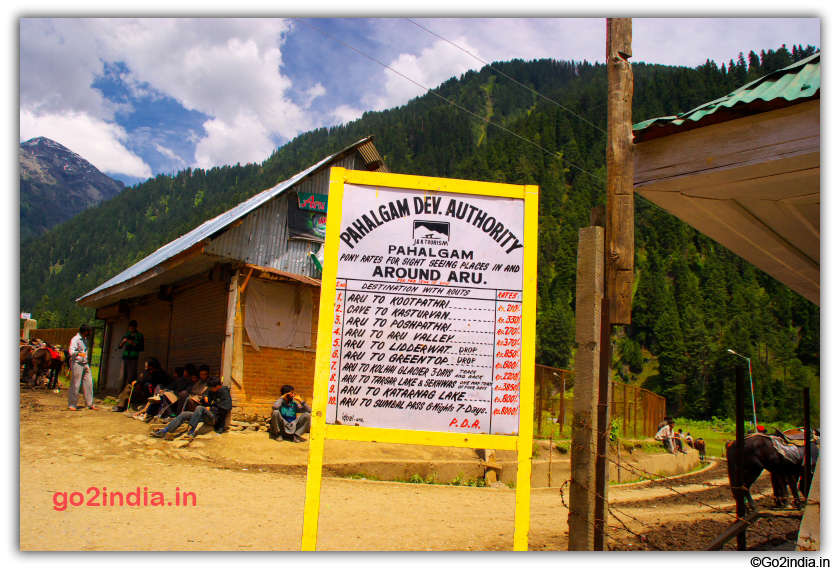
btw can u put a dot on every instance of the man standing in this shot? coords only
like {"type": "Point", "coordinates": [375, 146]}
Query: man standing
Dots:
{"type": "Point", "coordinates": [212, 409]}
{"type": "Point", "coordinates": [285, 421]}
{"type": "Point", "coordinates": [132, 344]}
{"type": "Point", "coordinates": [80, 369]}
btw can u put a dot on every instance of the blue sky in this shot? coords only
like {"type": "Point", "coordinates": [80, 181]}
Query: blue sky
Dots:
{"type": "Point", "coordinates": [138, 97]}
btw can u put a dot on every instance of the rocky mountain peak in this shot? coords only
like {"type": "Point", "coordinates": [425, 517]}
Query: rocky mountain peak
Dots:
{"type": "Point", "coordinates": [56, 184]}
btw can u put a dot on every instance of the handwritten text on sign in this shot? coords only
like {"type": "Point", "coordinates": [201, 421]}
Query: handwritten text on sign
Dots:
{"type": "Point", "coordinates": [427, 325]}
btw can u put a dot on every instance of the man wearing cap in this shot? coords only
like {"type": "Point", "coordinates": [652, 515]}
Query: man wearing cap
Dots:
{"type": "Point", "coordinates": [666, 436]}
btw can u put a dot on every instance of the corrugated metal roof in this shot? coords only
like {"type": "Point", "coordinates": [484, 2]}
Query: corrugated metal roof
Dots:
{"type": "Point", "coordinates": [781, 88]}
{"type": "Point", "coordinates": [216, 224]}
{"type": "Point", "coordinates": [263, 236]}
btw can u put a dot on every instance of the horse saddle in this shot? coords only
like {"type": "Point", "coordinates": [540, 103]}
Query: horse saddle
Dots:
{"type": "Point", "coordinates": [791, 453]}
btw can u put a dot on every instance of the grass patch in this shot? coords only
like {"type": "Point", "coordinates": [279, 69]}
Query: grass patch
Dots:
{"type": "Point", "coordinates": [459, 481]}
{"type": "Point", "coordinates": [361, 476]}
{"type": "Point", "coordinates": [416, 478]}
{"type": "Point", "coordinates": [659, 475]}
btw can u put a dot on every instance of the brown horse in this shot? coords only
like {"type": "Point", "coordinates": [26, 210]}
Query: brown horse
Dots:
{"type": "Point", "coordinates": [760, 454]}
{"type": "Point", "coordinates": [36, 363]}
{"type": "Point", "coordinates": [700, 446]}
{"type": "Point", "coordinates": [57, 366]}
{"type": "Point", "coordinates": [25, 350]}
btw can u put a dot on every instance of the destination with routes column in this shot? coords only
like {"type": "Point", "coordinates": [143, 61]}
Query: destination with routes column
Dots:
{"type": "Point", "coordinates": [427, 331]}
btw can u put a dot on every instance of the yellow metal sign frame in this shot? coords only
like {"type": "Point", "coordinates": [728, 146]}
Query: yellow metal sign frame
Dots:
{"type": "Point", "coordinates": [321, 431]}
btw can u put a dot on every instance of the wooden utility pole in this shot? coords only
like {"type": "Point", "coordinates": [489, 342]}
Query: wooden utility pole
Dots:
{"type": "Point", "coordinates": [619, 214]}
{"type": "Point", "coordinates": [589, 287]}
{"type": "Point", "coordinates": [740, 454]}
{"type": "Point", "coordinates": [604, 289]}
{"type": "Point", "coordinates": [806, 407]}
{"type": "Point", "coordinates": [619, 242]}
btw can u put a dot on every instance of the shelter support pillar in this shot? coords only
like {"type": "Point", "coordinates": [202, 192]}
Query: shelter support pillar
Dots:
{"type": "Point", "coordinates": [232, 361]}
{"type": "Point", "coordinates": [809, 530]}
{"type": "Point", "coordinates": [230, 328]}
{"type": "Point", "coordinates": [590, 292]}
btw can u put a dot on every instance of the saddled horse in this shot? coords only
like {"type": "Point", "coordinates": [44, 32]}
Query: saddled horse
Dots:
{"type": "Point", "coordinates": [760, 453]}
{"type": "Point", "coordinates": [57, 366]}
{"type": "Point", "coordinates": [35, 364]}
{"type": "Point", "coordinates": [41, 358]}
{"type": "Point", "coordinates": [795, 436]}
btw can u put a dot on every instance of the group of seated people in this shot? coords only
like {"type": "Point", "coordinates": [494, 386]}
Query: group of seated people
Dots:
{"type": "Point", "coordinates": [196, 397]}
{"type": "Point", "coordinates": [192, 395]}
{"type": "Point", "coordinates": [670, 439]}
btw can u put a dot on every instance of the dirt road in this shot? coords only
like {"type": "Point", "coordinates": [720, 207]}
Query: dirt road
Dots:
{"type": "Point", "coordinates": [236, 509]}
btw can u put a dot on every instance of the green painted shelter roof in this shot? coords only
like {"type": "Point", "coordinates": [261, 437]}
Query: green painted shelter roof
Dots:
{"type": "Point", "coordinates": [794, 84]}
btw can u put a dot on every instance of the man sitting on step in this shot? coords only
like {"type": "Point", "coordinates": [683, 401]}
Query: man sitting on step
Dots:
{"type": "Point", "coordinates": [215, 404]}
{"type": "Point", "coordinates": [285, 421]}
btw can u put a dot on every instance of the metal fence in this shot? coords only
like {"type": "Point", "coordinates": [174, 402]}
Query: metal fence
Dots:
{"type": "Point", "coordinates": [638, 410]}
{"type": "Point", "coordinates": [552, 400]}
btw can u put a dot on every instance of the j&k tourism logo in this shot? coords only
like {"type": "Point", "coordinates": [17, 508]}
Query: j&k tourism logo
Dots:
{"type": "Point", "coordinates": [431, 233]}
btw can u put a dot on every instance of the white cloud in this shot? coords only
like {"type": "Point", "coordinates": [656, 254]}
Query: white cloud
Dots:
{"type": "Point", "coordinates": [344, 114]}
{"type": "Point", "coordinates": [246, 136]}
{"type": "Point", "coordinates": [167, 152]}
{"type": "Point", "coordinates": [312, 93]}
{"type": "Point", "coordinates": [433, 66]}
{"type": "Point", "coordinates": [59, 59]}
{"type": "Point", "coordinates": [95, 140]}
{"type": "Point", "coordinates": [228, 69]}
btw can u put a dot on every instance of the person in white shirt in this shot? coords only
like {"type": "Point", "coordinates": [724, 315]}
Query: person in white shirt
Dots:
{"type": "Point", "coordinates": [80, 369]}
{"type": "Point", "coordinates": [666, 436]}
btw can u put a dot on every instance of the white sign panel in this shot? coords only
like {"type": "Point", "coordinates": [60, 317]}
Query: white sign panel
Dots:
{"type": "Point", "coordinates": [427, 326]}
{"type": "Point", "coordinates": [26, 316]}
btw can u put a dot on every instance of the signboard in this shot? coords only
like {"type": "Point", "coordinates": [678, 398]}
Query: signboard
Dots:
{"type": "Point", "coordinates": [307, 223]}
{"type": "Point", "coordinates": [314, 202]}
{"type": "Point", "coordinates": [26, 316]}
{"type": "Point", "coordinates": [427, 314]}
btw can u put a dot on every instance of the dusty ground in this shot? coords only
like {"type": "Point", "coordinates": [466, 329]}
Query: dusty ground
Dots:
{"type": "Point", "coordinates": [261, 508]}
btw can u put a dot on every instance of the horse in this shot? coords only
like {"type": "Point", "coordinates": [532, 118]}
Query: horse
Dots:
{"type": "Point", "coordinates": [35, 363]}
{"type": "Point", "coordinates": [57, 366]}
{"type": "Point", "coordinates": [25, 350]}
{"type": "Point", "coordinates": [759, 454]}
{"type": "Point", "coordinates": [700, 446]}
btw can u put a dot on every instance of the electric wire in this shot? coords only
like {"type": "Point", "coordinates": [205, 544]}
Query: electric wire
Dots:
{"type": "Point", "coordinates": [508, 76]}
{"type": "Point", "coordinates": [428, 90]}
{"type": "Point", "coordinates": [488, 121]}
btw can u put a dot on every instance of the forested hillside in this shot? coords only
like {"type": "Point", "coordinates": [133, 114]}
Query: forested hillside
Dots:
{"type": "Point", "coordinates": [694, 299]}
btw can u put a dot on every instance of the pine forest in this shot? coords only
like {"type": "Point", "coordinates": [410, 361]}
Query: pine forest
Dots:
{"type": "Point", "coordinates": [693, 299]}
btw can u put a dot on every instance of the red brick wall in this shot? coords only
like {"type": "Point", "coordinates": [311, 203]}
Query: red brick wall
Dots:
{"type": "Point", "coordinates": [267, 370]}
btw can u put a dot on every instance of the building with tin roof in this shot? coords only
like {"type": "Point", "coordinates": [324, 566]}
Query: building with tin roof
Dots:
{"type": "Point", "coordinates": [239, 293]}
